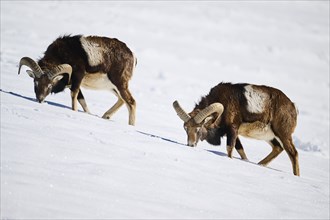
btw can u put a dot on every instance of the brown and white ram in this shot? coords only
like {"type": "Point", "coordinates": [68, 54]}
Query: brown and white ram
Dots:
{"type": "Point", "coordinates": [92, 62]}
{"type": "Point", "coordinates": [254, 111]}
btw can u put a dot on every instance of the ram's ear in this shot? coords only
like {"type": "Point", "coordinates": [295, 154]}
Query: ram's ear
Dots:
{"type": "Point", "coordinates": [58, 71]}
{"type": "Point", "coordinates": [208, 121]}
{"type": "Point", "coordinates": [30, 73]}
{"type": "Point", "coordinates": [57, 78]}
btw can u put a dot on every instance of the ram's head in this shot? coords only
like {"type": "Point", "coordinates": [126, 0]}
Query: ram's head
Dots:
{"type": "Point", "coordinates": [199, 121]}
{"type": "Point", "coordinates": [46, 81]}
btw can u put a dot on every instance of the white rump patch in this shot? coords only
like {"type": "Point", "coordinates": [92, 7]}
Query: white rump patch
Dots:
{"type": "Point", "coordinates": [135, 60]}
{"type": "Point", "coordinates": [256, 99]}
{"type": "Point", "coordinates": [98, 81]}
{"type": "Point", "coordinates": [94, 51]}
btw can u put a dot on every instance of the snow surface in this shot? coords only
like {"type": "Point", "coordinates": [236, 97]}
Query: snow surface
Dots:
{"type": "Point", "coordinates": [60, 164]}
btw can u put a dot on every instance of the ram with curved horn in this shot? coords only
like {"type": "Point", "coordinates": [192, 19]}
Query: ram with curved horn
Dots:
{"type": "Point", "coordinates": [253, 111]}
{"type": "Point", "coordinates": [91, 62]}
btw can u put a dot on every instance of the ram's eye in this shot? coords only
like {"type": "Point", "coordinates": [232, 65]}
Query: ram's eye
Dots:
{"type": "Point", "coordinates": [185, 128]}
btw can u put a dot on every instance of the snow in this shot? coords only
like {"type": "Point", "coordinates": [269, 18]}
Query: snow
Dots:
{"type": "Point", "coordinates": [60, 164]}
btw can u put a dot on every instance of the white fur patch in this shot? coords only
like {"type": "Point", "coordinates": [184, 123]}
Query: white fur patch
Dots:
{"type": "Point", "coordinates": [256, 99]}
{"type": "Point", "coordinates": [94, 51]}
{"type": "Point", "coordinates": [98, 81]}
{"type": "Point", "coordinates": [257, 130]}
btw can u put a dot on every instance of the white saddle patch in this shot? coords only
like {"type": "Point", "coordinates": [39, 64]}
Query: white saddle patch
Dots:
{"type": "Point", "coordinates": [98, 81]}
{"type": "Point", "coordinates": [257, 130]}
{"type": "Point", "coordinates": [256, 99]}
{"type": "Point", "coordinates": [94, 51]}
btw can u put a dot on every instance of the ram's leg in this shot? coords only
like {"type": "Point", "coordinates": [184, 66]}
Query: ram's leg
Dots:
{"type": "Point", "coordinates": [130, 104]}
{"type": "Point", "coordinates": [74, 98]}
{"type": "Point", "coordinates": [294, 158]}
{"type": "Point", "coordinates": [76, 79]}
{"type": "Point", "coordinates": [277, 149]}
{"type": "Point", "coordinates": [231, 140]}
{"type": "Point", "coordinates": [292, 153]}
{"type": "Point", "coordinates": [108, 114]}
{"type": "Point", "coordinates": [81, 100]}
{"type": "Point", "coordinates": [129, 101]}
{"type": "Point", "coordinates": [240, 149]}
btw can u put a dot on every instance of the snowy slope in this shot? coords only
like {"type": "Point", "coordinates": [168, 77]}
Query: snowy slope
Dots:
{"type": "Point", "coordinates": [60, 164]}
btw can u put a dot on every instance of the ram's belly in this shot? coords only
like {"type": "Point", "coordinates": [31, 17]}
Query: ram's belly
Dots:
{"type": "Point", "coordinates": [256, 130]}
{"type": "Point", "coordinates": [97, 81]}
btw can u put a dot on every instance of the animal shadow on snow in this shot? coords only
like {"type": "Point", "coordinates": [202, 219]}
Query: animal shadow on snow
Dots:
{"type": "Point", "coordinates": [211, 151]}
{"type": "Point", "coordinates": [35, 100]}
{"type": "Point", "coordinates": [247, 161]}
{"type": "Point", "coordinates": [159, 137]}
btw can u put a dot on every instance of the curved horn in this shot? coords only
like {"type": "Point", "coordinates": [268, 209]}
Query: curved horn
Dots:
{"type": "Point", "coordinates": [181, 113]}
{"type": "Point", "coordinates": [27, 61]}
{"type": "Point", "coordinates": [215, 107]}
{"type": "Point", "coordinates": [60, 69]}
